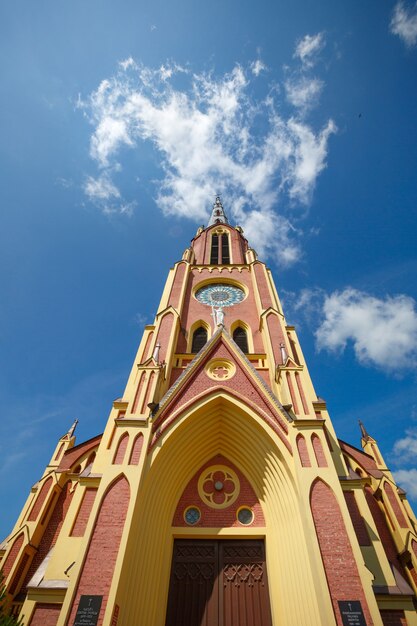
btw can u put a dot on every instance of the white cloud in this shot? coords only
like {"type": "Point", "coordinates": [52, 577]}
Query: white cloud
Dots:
{"type": "Point", "coordinates": [404, 23]}
{"type": "Point", "coordinates": [383, 331]}
{"type": "Point", "coordinates": [208, 139]}
{"type": "Point", "coordinates": [101, 188]}
{"type": "Point", "coordinates": [308, 48]}
{"type": "Point", "coordinates": [405, 449]}
{"type": "Point", "coordinates": [303, 92]}
{"type": "Point", "coordinates": [257, 67]}
{"type": "Point", "coordinates": [407, 479]}
{"type": "Point", "coordinates": [258, 227]}
{"type": "Point", "coordinates": [310, 152]}
{"type": "Point", "coordinates": [127, 63]}
{"type": "Point", "coordinates": [306, 303]}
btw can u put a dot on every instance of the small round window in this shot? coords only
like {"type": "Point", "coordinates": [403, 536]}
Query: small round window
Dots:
{"type": "Point", "coordinates": [245, 516]}
{"type": "Point", "coordinates": [192, 515]}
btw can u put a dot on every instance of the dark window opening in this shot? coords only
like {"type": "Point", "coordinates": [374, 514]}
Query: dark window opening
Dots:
{"type": "Point", "coordinates": [225, 249]}
{"type": "Point", "coordinates": [241, 339]}
{"type": "Point", "coordinates": [294, 350]}
{"type": "Point", "coordinates": [199, 339]}
{"type": "Point", "coordinates": [214, 250]}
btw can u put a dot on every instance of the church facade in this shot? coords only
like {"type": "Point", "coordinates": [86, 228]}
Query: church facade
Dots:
{"type": "Point", "coordinates": [218, 493]}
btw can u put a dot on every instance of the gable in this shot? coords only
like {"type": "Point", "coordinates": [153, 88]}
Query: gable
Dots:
{"type": "Point", "coordinates": [222, 368]}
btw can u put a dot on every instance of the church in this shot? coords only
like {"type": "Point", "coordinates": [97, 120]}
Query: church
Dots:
{"type": "Point", "coordinates": [218, 493]}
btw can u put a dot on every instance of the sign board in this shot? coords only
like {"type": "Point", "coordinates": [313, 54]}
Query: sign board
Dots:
{"type": "Point", "coordinates": [351, 612]}
{"type": "Point", "coordinates": [88, 611]}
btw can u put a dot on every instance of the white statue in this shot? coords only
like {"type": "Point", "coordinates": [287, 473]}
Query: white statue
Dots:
{"type": "Point", "coordinates": [219, 316]}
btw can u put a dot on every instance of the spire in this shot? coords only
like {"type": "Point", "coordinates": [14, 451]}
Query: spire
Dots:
{"type": "Point", "coordinates": [71, 430]}
{"type": "Point", "coordinates": [365, 435]}
{"type": "Point", "coordinates": [218, 215]}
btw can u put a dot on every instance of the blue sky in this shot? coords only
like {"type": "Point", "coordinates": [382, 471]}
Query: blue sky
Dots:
{"type": "Point", "coordinates": [120, 123]}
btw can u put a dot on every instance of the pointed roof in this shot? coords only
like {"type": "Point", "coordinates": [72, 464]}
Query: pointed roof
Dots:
{"type": "Point", "coordinates": [218, 216]}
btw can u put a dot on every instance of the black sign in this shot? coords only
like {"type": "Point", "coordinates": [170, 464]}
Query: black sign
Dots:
{"type": "Point", "coordinates": [351, 612]}
{"type": "Point", "coordinates": [88, 611]}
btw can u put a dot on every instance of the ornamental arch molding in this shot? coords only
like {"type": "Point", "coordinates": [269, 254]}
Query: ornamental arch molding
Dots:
{"type": "Point", "coordinates": [218, 425]}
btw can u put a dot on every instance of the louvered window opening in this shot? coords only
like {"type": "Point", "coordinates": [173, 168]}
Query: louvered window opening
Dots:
{"type": "Point", "coordinates": [199, 339]}
{"type": "Point", "coordinates": [220, 244]}
{"type": "Point", "coordinates": [225, 249]}
{"type": "Point", "coordinates": [214, 250]}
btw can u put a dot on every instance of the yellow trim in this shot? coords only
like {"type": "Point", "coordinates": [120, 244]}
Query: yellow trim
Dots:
{"type": "Point", "coordinates": [220, 280]}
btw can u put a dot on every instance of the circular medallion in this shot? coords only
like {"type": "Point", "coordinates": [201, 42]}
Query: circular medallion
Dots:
{"type": "Point", "coordinates": [220, 369]}
{"type": "Point", "coordinates": [218, 486]}
{"type": "Point", "coordinates": [220, 294]}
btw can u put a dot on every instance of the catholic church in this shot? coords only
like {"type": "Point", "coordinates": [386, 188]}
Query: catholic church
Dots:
{"type": "Point", "coordinates": [218, 493]}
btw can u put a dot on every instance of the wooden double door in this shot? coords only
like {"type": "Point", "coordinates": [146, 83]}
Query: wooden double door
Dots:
{"type": "Point", "coordinates": [218, 583]}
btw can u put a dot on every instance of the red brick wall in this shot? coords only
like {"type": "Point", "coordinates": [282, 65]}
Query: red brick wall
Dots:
{"type": "Point", "coordinates": [174, 296]}
{"type": "Point", "coordinates": [246, 310]}
{"type": "Point", "coordinates": [301, 392]}
{"type": "Point", "coordinates": [84, 511]}
{"type": "Point", "coordinates": [318, 451]}
{"type": "Point", "coordinates": [58, 454]}
{"type": "Point", "coordinates": [303, 452]}
{"type": "Point", "coordinates": [383, 530]}
{"type": "Point", "coordinates": [237, 247]}
{"type": "Point", "coordinates": [336, 551]}
{"type": "Point", "coordinates": [138, 390]}
{"type": "Point", "coordinates": [276, 336]}
{"type": "Point", "coordinates": [45, 615]}
{"type": "Point", "coordinates": [136, 450]}
{"type": "Point", "coordinates": [239, 382]}
{"type": "Point", "coordinates": [357, 519]}
{"type": "Point", "coordinates": [97, 572]}
{"type": "Point", "coordinates": [11, 557]}
{"type": "Point", "coordinates": [19, 573]}
{"type": "Point", "coordinates": [219, 518]}
{"type": "Point", "coordinates": [121, 449]}
{"type": "Point", "coordinates": [147, 397]}
{"type": "Point", "coordinates": [52, 530]}
{"type": "Point", "coordinates": [164, 334]}
{"type": "Point", "coordinates": [292, 394]}
{"type": "Point", "coordinates": [40, 499]}
{"type": "Point", "coordinates": [145, 353]}
{"type": "Point", "coordinates": [392, 617]}
{"type": "Point", "coordinates": [396, 507]}
{"type": "Point", "coordinates": [263, 286]}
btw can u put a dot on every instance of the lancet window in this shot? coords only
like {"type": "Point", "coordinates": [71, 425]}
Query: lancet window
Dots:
{"type": "Point", "coordinates": [241, 339]}
{"type": "Point", "coordinates": [199, 339]}
{"type": "Point", "coordinates": [220, 251]}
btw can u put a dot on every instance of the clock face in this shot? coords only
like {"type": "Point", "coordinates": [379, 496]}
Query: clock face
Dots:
{"type": "Point", "coordinates": [220, 295]}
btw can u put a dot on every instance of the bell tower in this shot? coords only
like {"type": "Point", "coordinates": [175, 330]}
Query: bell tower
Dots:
{"type": "Point", "coordinates": [218, 493]}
